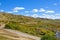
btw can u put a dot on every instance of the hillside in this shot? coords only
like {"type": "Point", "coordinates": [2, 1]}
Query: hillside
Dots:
{"type": "Point", "coordinates": [30, 25]}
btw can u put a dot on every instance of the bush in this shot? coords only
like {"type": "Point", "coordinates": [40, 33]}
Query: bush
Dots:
{"type": "Point", "coordinates": [48, 37]}
{"type": "Point", "coordinates": [12, 25]}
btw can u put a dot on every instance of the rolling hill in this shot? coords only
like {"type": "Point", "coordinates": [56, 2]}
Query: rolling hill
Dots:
{"type": "Point", "coordinates": [30, 25]}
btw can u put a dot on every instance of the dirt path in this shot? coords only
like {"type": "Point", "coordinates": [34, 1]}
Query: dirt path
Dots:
{"type": "Point", "coordinates": [18, 35]}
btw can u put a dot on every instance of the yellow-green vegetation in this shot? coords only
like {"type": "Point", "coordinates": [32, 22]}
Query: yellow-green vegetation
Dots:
{"type": "Point", "coordinates": [5, 38]}
{"type": "Point", "coordinates": [48, 37]}
{"type": "Point", "coordinates": [30, 25]}
{"type": "Point", "coordinates": [27, 29]}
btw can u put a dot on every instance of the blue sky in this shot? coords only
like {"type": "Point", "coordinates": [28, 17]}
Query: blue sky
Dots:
{"type": "Point", "coordinates": [35, 8]}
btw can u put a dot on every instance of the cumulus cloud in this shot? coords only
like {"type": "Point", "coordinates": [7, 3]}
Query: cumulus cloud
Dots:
{"type": "Point", "coordinates": [46, 16]}
{"type": "Point", "coordinates": [46, 11]}
{"type": "Point", "coordinates": [35, 10]}
{"type": "Point", "coordinates": [50, 11]}
{"type": "Point", "coordinates": [16, 9]}
{"type": "Point", "coordinates": [50, 16]}
{"type": "Point", "coordinates": [43, 16]}
{"type": "Point", "coordinates": [42, 10]}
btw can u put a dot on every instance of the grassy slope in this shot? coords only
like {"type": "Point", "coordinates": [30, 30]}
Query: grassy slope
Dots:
{"type": "Point", "coordinates": [34, 26]}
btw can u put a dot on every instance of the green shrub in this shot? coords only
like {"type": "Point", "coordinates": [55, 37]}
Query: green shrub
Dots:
{"type": "Point", "coordinates": [48, 37]}
{"type": "Point", "coordinates": [12, 25]}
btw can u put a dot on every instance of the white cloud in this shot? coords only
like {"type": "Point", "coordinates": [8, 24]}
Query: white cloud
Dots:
{"type": "Point", "coordinates": [43, 14]}
{"type": "Point", "coordinates": [35, 10]}
{"type": "Point", "coordinates": [27, 15]}
{"type": "Point", "coordinates": [35, 15]}
{"type": "Point", "coordinates": [16, 9]}
{"type": "Point", "coordinates": [46, 11]}
{"type": "Point", "coordinates": [46, 16]}
{"type": "Point", "coordinates": [26, 11]}
{"type": "Point", "coordinates": [9, 12]}
{"type": "Point", "coordinates": [19, 8]}
{"type": "Point", "coordinates": [50, 11]}
{"type": "Point", "coordinates": [57, 17]}
{"type": "Point", "coordinates": [1, 10]}
{"type": "Point", "coordinates": [42, 10]}
{"type": "Point", "coordinates": [50, 16]}
{"type": "Point", "coordinates": [57, 14]}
